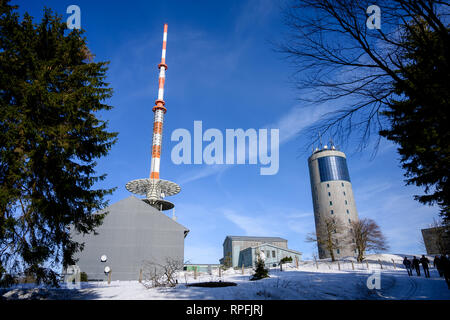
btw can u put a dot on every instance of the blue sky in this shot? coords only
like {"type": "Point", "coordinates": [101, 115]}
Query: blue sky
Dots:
{"type": "Point", "coordinates": [223, 70]}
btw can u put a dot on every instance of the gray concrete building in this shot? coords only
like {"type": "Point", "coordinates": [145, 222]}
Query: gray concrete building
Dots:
{"type": "Point", "coordinates": [133, 233]}
{"type": "Point", "coordinates": [436, 240]}
{"type": "Point", "coordinates": [243, 250]}
{"type": "Point", "coordinates": [332, 197]}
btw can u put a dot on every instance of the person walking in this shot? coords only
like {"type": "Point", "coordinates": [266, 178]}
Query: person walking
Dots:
{"type": "Point", "coordinates": [407, 264]}
{"type": "Point", "coordinates": [438, 266]}
{"type": "Point", "coordinates": [415, 264]}
{"type": "Point", "coordinates": [445, 265]}
{"type": "Point", "coordinates": [424, 261]}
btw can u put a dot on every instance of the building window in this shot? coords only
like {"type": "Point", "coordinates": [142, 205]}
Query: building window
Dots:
{"type": "Point", "coordinates": [344, 193]}
{"type": "Point", "coordinates": [268, 254]}
{"type": "Point", "coordinates": [342, 183]}
{"type": "Point", "coordinates": [328, 185]}
{"type": "Point", "coordinates": [273, 254]}
{"type": "Point", "coordinates": [345, 201]}
{"type": "Point", "coordinates": [331, 203]}
{"type": "Point", "coordinates": [333, 168]}
{"type": "Point", "coordinates": [331, 211]}
{"type": "Point", "coordinates": [348, 211]}
{"type": "Point", "coordinates": [349, 221]}
{"type": "Point", "coordinates": [329, 194]}
{"type": "Point", "coordinates": [338, 251]}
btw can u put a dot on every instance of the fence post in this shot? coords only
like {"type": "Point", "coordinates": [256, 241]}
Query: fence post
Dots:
{"type": "Point", "coordinates": [220, 272]}
{"type": "Point", "coordinates": [109, 276]}
{"type": "Point", "coordinates": [339, 266]}
{"type": "Point", "coordinates": [353, 266]}
{"type": "Point", "coordinates": [140, 276]}
{"type": "Point", "coordinates": [195, 272]}
{"type": "Point", "coordinates": [242, 268]}
{"type": "Point", "coordinates": [393, 263]}
{"type": "Point", "coordinates": [380, 263]}
{"type": "Point", "coordinates": [367, 264]}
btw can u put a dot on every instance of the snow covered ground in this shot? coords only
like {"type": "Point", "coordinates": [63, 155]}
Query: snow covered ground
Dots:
{"type": "Point", "coordinates": [322, 280]}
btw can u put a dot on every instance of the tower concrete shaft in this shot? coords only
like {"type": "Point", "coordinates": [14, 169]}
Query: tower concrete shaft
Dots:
{"type": "Point", "coordinates": [159, 111]}
{"type": "Point", "coordinates": [154, 188]}
{"type": "Point", "coordinates": [332, 199]}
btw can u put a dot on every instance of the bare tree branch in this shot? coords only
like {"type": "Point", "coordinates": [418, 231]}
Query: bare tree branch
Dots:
{"type": "Point", "coordinates": [338, 59]}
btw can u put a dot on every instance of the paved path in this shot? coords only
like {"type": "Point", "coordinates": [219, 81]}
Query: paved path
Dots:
{"type": "Point", "coordinates": [395, 286]}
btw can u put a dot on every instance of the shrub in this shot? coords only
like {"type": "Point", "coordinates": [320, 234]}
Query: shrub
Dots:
{"type": "Point", "coordinates": [285, 260]}
{"type": "Point", "coordinates": [260, 271]}
{"type": "Point", "coordinates": [83, 277]}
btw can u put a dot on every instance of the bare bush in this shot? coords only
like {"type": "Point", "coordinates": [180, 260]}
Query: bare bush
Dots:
{"type": "Point", "coordinates": [161, 274]}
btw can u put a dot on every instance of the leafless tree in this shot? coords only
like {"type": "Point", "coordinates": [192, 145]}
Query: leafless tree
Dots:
{"type": "Point", "coordinates": [333, 237]}
{"type": "Point", "coordinates": [421, 243]}
{"type": "Point", "coordinates": [161, 274]}
{"type": "Point", "coordinates": [339, 59]}
{"type": "Point", "coordinates": [368, 237]}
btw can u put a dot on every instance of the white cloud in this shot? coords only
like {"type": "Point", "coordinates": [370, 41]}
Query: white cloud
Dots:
{"type": "Point", "coordinates": [250, 225]}
{"type": "Point", "coordinates": [269, 224]}
{"type": "Point", "coordinates": [200, 173]}
{"type": "Point", "coordinates": [298, 119]}
{"type": "Point", "coordinates": [400, 217]}
{"type": "Point", "coordinates": [371, 188]}
{"type": "Point", "coordinates": [290, 125]}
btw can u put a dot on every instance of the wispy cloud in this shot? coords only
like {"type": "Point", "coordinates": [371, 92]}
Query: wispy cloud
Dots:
{"type": "Point", "coordinates": [290, 126]}
{"type": "Point", "coordinates": [399, 216]}
{"type": "Point", "coordinates": [371, 188]}
{"type": "Point", "coordinates": [298, 119]}
{"type": "Point", "coordinates": [253, 12]}
{"type": "Point", "coordinates": [202, 172]}
{"type": "Point", "coordinates": [253, 226]}
{"type": "Point", "coordinates": [268, 224]}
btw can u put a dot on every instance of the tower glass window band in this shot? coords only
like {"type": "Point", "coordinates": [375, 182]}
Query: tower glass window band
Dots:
{"type": "Point", "coordinates": [333, 168]}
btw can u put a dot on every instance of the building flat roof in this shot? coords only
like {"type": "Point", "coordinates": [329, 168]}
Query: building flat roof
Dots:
{"type": "Point", "coordinates": [274, 246]}
{"type": "Point", "coordinates": [250, 238]}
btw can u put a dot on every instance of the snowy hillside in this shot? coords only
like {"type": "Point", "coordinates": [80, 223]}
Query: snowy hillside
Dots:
{"type": "Point", "coordinates": [311, 280]}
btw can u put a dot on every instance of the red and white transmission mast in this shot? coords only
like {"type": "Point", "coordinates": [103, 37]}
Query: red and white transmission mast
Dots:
{"type": "Point", "coordinates": [154, 188]}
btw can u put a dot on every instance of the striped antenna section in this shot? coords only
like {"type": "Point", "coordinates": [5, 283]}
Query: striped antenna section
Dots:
{"type": "Point", "coordinates": [159, 111]}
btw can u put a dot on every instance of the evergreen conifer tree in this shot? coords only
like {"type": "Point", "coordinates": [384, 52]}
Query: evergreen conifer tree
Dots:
{"type": "Point", "coordinates": [260, 271]}
{"type": "Point", "coordinates": [50, 136]}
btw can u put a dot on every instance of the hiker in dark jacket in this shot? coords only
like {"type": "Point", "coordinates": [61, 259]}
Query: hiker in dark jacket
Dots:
{"type": "Point", "coordinates": [437, 264]}
{"type": "Point", "coordinates": [407, 264]}
{"type": "Point", "coordinates": [416, 265]}
{"type": "Point", "coordinates": [424, 261]}
{"type": "Point", "coordinates": [445, 265]}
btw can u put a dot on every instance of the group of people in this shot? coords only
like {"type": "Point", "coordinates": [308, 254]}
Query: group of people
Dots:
{"type": "Point", "coordinates": [442, 264]}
